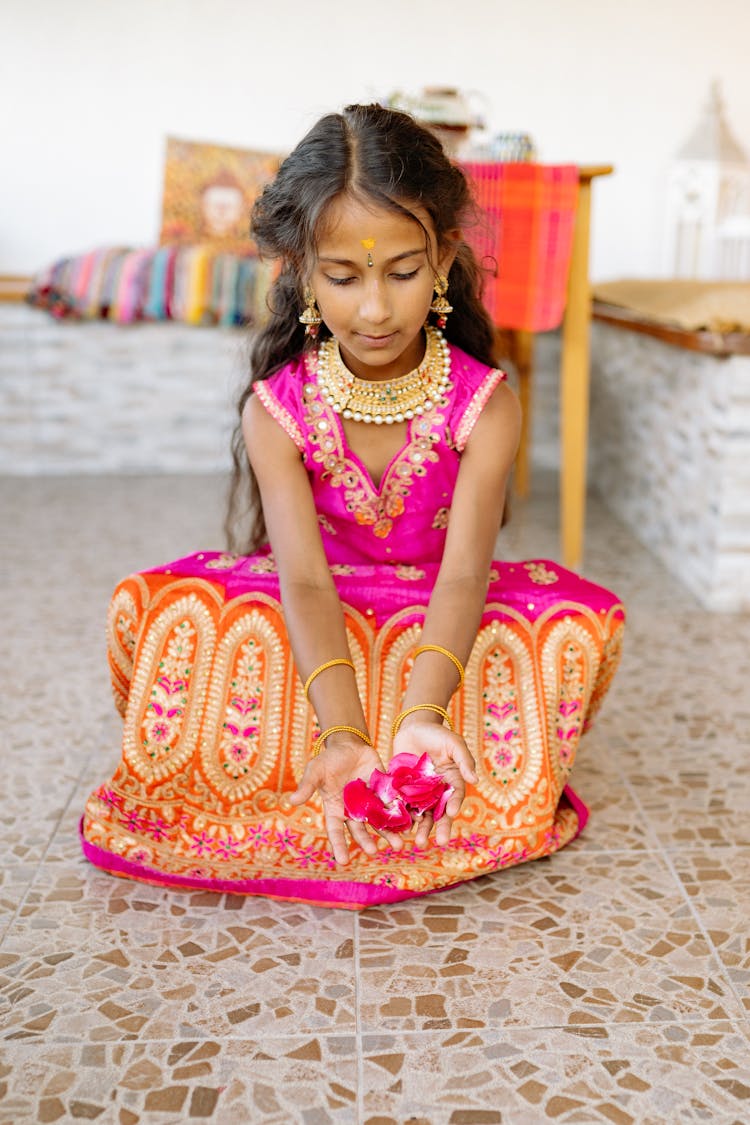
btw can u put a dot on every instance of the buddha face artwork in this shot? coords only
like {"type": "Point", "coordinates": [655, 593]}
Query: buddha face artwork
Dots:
{"type": "Point", "coordinates": [209, 191]}
{"type": "Point", "coordinates": [223, 209]}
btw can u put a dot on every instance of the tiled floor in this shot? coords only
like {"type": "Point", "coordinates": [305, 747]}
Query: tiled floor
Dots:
{"type": "Point", "coordinates": [610, 983]}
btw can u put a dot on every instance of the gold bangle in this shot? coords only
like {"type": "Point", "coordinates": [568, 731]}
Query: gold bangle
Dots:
{"type": "Point", "coordinates": [335, 730]}
{"type": "Point", "coordinates": [322, 668]}
{"type": "Point", "coordinates": [420, 707]}
{"type": "Point", "coordinates": [445, 652]}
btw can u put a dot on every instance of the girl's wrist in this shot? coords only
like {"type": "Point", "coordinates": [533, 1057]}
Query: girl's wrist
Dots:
{"type": "Point", "coordinates": [345, 741]}
{"type": "Point", "coordinates": [420, 713]}
{"type": "Point", "coordinates": [421, 716]}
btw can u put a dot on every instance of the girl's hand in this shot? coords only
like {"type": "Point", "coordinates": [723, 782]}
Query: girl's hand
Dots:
{"type": "Point", "coordinates": [453, 761]}
{"type": "Point", "coordinates": [342, 760]}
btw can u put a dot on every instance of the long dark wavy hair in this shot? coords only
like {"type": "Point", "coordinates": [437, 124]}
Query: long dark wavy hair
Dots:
{"type": "Point", "coordinates": [379, 156]}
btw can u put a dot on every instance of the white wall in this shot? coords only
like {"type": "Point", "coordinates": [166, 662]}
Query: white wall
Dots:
{"type": "Point", "coordinates": [90, 88]}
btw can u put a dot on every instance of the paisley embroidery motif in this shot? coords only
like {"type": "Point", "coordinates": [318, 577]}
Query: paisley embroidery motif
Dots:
{"type": "Point", "coordinates": [512, 753]}
{"type": "Point", "coordinates": [122, 625]}
{"type": "Point", "coordinates": [240, 740]}
{"type": "Point", "coordinates": [161, 725]}
{"type": "Point", "coordinates": [168, 690]}
{"type": "Point", "coordinates": [221, 812]}
{"type": "Point", "coordinates": [570, 667]}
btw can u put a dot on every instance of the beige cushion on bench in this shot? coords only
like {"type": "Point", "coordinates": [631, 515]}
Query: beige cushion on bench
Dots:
{"type": "Point", "coordinates": [715, 306]}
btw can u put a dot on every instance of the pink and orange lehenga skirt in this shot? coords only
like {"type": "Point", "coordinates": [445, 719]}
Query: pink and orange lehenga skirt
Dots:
{"type": "Point", "coordinates": [217, 730]}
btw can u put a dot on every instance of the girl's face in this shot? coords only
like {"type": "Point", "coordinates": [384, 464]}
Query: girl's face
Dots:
{"type": "Point", "coordinates": [377, 310]}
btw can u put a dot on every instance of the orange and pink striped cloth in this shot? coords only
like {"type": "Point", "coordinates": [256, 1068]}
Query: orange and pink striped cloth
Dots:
{"type": "Point", "coordinates": [524, 240]}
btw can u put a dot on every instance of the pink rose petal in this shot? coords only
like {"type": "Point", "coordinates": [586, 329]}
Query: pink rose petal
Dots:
{"type": "Point", "coordinates": [410, 787]}
{"type": "Point", "coordinates": [361, 803]}
{"type": "Point", "coordinates": [357, 799]}
{"type": "Point", "coordinates": [394, 817]}
{"type": "Point", "coordinates": [382, 784]}
{"type": "Point", "coordinates": [445, 797]}
{"type": "Point", "coordinates": [420, 785]}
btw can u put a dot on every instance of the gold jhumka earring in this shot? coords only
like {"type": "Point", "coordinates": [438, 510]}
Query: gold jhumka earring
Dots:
{"type": "Point", "coordinates": [311, 317]}
{"type": "Point", "coordinates": [440, 305]}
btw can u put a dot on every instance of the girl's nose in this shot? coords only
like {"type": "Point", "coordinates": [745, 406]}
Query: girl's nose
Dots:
{"type": "Point", "coordinates": [375, 306]}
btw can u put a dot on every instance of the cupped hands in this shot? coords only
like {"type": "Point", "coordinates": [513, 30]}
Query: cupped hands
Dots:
{"type": "Point", "coordinates": [451, 760]}
{"type": "Point", "coordinates": [343, 760]}
{"type": "Point", "coordinates": [431, 766]}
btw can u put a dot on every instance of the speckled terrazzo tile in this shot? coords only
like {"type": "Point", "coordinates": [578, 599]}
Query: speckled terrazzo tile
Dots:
{"type": "Point", "coordinates": [93, 958]}
{"type": "Point", "coordinates": [277, 1081]}
{"type": "Point", "coordinates": [41, 800]}
{"type": "Point", "coordinates": [615, 821]}
{"type": "Point", "coordinates": [44, 825]}
{"type": "Point", "coordinates": [15, 881]}
{"type": "Point", "coordinates": [635, 1075]}
{"type": "Point", "coordinates": [31, 815]}
{"type": "Point", "coordinates": [718, 883]}
{"type": "Point", "coordinates": [701, 797]}
{"type": "Point", "coordinates": [581, 938]}
{"type": "Point", "coordinates": [683, 677]}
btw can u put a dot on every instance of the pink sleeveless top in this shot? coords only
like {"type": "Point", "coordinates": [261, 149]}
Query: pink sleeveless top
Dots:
{"type": "Point", "coordinates": [404, 520]}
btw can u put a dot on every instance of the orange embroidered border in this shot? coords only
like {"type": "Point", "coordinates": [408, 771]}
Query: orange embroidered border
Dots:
{"type": "Point", "coordinates": [474, 409]}
{"type": "Point", "coordinates": [280, 414]}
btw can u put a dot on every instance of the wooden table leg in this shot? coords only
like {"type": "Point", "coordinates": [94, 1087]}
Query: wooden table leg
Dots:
{"type": "Point", "coordinates": [574, 389]}
{"type": "Point", "coordinates": [574, 381]}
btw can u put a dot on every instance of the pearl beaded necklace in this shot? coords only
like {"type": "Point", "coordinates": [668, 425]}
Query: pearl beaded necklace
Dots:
{"type": "Point", "coordinates": [387, 402]}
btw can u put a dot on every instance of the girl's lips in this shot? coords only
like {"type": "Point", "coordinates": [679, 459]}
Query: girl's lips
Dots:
{"type": "Point", "coordinates": [377, 341]}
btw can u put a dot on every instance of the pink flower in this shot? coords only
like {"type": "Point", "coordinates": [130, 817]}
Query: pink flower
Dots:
{"type": "Point", "coordinates": [239, 752]}
{"type": "Point", "coordinates": [417, 782]}
{"type": "Point", "coordinates": [409, 787]}
{"type": "Point", "coordinates": [158, 828]}
{"type": "Point", "coordinates": [361, 803]}
{"type": "Point", "coordinates": [202, 844]}
{"type": "Point", "coordinates": [114, 800]}
{"type": "Point", "coordinates": [228, 849]}
{"type": "Point", "coordinates": [258, 836]}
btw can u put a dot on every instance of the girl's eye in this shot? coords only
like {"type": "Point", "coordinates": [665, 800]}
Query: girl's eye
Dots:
{"type": "Point", "coordinates": [340, 280]}
{"type": "Point", "coordinates": [405, 276]}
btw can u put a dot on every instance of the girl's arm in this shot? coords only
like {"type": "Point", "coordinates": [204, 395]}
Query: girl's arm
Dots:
{"type": "Point", "coordinates": [315, 623]}
{"type": "Point", "coordinates": [458, 598]}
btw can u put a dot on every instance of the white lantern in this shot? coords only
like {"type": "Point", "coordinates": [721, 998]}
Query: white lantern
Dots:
{"type": "Point", "coordinates": [708, 201]}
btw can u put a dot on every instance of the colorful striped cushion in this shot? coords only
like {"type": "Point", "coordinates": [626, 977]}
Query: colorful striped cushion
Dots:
{"type": "Point", "coordinates": [193, 284]}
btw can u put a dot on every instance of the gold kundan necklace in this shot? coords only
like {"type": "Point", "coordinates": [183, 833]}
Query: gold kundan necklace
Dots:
{"type": "Point", "coordinates": [394, 400]}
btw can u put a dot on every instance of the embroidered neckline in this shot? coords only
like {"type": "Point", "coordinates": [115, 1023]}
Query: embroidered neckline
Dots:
{"type": "Point", "coordinates": [373, 506]}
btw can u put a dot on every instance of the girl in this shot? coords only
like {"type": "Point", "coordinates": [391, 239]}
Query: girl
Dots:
{"type": "Point", "coordinates": [374, 448]}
